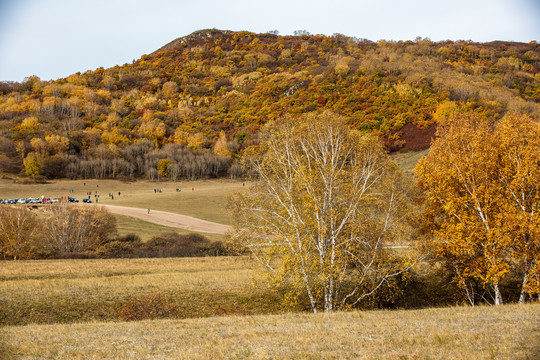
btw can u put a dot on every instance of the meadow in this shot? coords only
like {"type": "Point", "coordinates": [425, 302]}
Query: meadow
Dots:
{"type": "Point", "coordinates": [214, 308]}
{"type": "Point", "coordinates": [509, 332]}
{"type": "Point", "coordinates": [62, 291]}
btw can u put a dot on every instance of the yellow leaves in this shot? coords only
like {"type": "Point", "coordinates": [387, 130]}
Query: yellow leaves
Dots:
{"type": "Point", "coordinates": [30, 125]}
{"type": "Point", "coordinates": [196, 141]}
{"type": "Point", "coordinates": [163, 166]}
{"type": "Point", "coordinates": [478, 180]}
{"type": "Point", "coordinates": [170, 89]}
{"type": "Point", "coordinates": [153, 130]}
{"type": "Point", "coordinates": [33, 165]}
{"type": "Point", "coordinates": [328, 199]}
{"type": "Point", "coordinates": [221, 146]}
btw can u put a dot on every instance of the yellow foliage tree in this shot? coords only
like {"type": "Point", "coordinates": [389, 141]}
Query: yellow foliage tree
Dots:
{"type": "Point", "coordinates": [481, 186]}
{"type": "Point", "coordinates": [30, 126]}
{"type": "Point", "coordinates": [197, 141]}
{"type": "Point", "coordinates": [163, 166]}
{"type": "Point", "coordinates": [325, 203]}
{"type": "Point", "coordinates": [519, 177]}
{"type": "Point", "coordinates": [221, 146]}
{"type": "Point", "coordinates": [33, 165]}
{"type": "Point", "coordinates": [57, 143]}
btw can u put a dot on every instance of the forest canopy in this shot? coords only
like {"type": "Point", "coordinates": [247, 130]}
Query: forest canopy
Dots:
{"type": "Point", "coordinates": [200, 101]}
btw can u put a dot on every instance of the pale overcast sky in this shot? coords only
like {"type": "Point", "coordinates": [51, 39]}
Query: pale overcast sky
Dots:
{"type": "Point", "coordinates": [56, 38]}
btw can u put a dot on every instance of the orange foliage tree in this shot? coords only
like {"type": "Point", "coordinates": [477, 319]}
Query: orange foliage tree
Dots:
{"type": "Point", "coordinates": [481, 184]}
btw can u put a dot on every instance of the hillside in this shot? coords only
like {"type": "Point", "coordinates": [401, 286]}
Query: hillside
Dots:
{"type": "Point", "coordinates": [199, 101]}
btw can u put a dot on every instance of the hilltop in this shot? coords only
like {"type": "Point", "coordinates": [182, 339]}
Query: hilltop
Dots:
{"type": "Point", "coordinates": [200, 100]}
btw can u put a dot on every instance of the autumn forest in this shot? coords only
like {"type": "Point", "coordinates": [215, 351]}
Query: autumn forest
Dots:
{"type": "Point", "coordinates": [191, 108]}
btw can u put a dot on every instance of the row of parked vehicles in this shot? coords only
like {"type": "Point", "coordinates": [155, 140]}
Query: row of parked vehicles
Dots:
{"type": "Point", "coordinates": [44, 200]}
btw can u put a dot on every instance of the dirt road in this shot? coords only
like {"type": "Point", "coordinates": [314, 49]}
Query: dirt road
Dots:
{"type": "Point", "coordinates": [169, 219]}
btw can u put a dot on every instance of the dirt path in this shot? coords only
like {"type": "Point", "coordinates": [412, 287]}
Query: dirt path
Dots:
{"type": "Point", "coordinates": [169, 219]}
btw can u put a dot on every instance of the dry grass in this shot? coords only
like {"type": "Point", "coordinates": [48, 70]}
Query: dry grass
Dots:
{"type": "Point", "coordinates": [55, 291]}
{"type": "Point", "coordinates": [506, 332]}
{"type": "Point", "coordinates": [408, 160]}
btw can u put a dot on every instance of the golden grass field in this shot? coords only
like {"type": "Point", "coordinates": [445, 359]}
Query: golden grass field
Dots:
{"type": "Point", "coordinates": [506, 332]}
{"type": "Point", "coordinates": [53, 291]}
{"type": "Point", "coordinates": [70, 309]}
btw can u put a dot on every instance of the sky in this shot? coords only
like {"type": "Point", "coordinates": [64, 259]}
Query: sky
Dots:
{"type": "Point", "coordinates": [56, 38]}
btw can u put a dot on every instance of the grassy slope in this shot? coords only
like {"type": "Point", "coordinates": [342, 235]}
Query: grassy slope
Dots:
{"type": "Point", "coordinates": [127, 225]}
{"type": "Point", "coordinates": [408, 160]}
{"type": "Point", "coordinates": [506, 332]}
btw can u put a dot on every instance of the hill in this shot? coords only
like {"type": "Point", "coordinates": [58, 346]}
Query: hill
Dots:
{"type": "Point", "coordinates": [199, 101]}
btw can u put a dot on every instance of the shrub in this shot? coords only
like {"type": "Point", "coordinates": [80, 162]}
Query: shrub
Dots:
{"type": "Point", "coordinates": [151, 306]}
{"type": "Point", "coordinates": [115, 249]}
{"type": "Point", "coordinates": [172, 244]}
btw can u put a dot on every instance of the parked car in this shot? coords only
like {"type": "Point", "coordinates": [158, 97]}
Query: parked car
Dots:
{"type": "Point", "coordinates": [55, 200]}
{"type": "Point", "coordinates": [33, 201]}
{"type": "Point", "coordinates": [70, 199]}
{"type": "Point", "coordinates": [9, 201]}
{"type": "Point", "coordinates": [20, 201]}
{"type": "Point", "coordinates": [46, 200]}
{"type": "Point", "coordinates": [86, 200]}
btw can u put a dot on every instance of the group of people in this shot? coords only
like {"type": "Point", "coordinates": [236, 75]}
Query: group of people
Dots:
{"type": "Point", "coordinates": [111, 195]}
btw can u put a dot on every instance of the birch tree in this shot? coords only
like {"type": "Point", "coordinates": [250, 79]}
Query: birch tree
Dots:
{"type": "Point", "coordinates": [481, 183]}
{"type": "Point", "coordinates": [17, 230]}
{"type": "Point", "coordinates": [326, 202]}
{"type": "Point", "coordinates": [519, 179]}
{"type": "Point", "coordinates": [72, 229]}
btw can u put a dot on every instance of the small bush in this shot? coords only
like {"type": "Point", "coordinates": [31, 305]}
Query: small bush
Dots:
{"type": "Point", "coordinates": [115, 249]}
{"type": "Point", "coordinates": [151, 306]}
{"type": "Point", "coordinates": [175, 245]}
{"type": "Point", "coordinates": [129, 238]}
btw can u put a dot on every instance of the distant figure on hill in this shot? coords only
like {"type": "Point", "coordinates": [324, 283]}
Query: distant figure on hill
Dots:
{"type": "Point", "coordinates": [149, 210]}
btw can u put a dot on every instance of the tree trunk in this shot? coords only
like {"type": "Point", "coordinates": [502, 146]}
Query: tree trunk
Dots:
{"type": "Point", "coordinates": [498, 296]}
{"type": "Point", "coordinates": [523, 294]}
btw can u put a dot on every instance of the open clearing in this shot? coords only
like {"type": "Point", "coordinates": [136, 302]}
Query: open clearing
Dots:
{"type": "Point", "coordinates": [61, 291]}
{"type": "Point", "coordinates": [504, 332]}
{"type": "Point", "coordinates": [206, 201]}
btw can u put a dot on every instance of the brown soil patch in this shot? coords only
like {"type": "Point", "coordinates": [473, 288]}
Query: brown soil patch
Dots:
{"type": "Point", "coordinates": [412, 138]}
